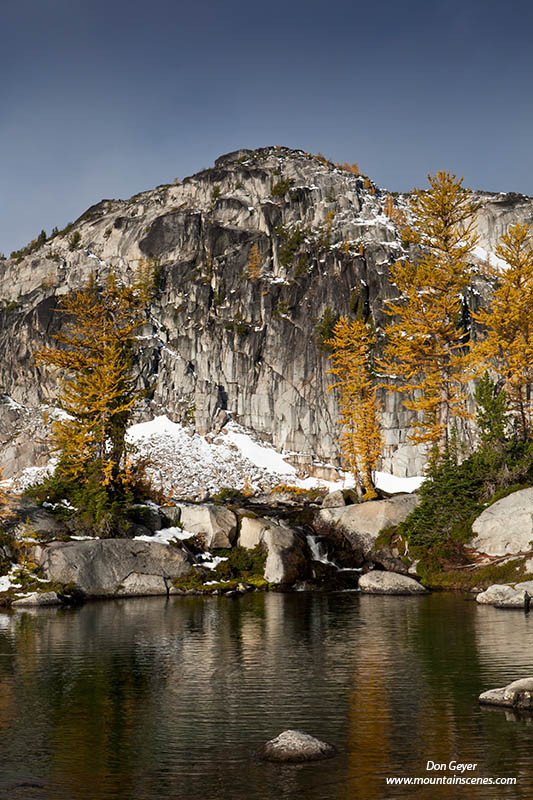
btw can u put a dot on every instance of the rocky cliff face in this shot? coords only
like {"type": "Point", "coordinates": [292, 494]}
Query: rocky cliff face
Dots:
{"type": "Point", "coordinates": [221, 339]}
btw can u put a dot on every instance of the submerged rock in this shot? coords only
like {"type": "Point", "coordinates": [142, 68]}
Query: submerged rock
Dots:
{"type": "Point", "coordinates": [378, 582]}
{"type": "Point", "coordinates": [505, 595]}
{"type": "Point", "coordinates": [297, 746]}
{"type": "Point", "coordinates": [518, 694]}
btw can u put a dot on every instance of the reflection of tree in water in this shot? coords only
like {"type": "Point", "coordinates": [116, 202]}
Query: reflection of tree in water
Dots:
{"type": "Point", "coordinates": [7, 668]}
{"type": "Point", "coordinates": [147, 698]}
{"type": "Point", "coordinates": [416, 683]}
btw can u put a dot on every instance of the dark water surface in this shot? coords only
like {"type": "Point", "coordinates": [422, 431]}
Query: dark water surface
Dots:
{"type": "Point", "coordinates": [154, 699]}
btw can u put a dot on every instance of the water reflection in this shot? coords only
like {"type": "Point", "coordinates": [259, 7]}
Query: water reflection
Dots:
{"type": "Point", "coordinates": [150, 698]}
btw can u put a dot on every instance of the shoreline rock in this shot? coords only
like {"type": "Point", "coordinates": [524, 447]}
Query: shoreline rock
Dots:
{"type": "Point", "coordinates": [113, 567]}
{"type": "Point", "coordinates": [505, 595]}
{"type": "Point", "coordinates": [378, 582]}
{"type": "Point", "coordinates": [517, 695]}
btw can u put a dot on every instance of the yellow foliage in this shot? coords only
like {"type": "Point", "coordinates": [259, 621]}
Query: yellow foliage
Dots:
{"type": "Point", "coordinates": [96, 383]}
{"type": "Point", "coordinates": [5, 499]}
{"type": "Point", "coordinates": [361, 440]}
{"type": "Point", "coordinates": [146, 281]}
{"type": "Point", "coordinates": [247, 490]}
{"type": "Point", "coordinates": [254, 263]}
{"type": "Point", "coordinates": [508, 322]}
{"type": "Point", "coordinates": [426, 345]}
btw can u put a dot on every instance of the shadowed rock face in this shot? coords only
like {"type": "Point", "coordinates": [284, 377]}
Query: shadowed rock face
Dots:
{"type": "Point", "coordinates": [219, 339]}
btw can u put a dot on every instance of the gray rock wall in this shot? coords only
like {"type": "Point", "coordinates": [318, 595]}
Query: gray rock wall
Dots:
{"type": "Point", "coordinates": [217, 339]}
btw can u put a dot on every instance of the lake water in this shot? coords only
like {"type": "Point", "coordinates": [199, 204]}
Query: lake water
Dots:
{"type": "Point", "coordinates": [149, 698]}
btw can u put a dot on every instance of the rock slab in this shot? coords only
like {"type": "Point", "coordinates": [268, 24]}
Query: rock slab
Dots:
{"type": "Point", "coordinates": [113, 567]}
{"type": "Point", "coordinates": [293, 746]}
{"type": "Point", "coordinates": [378, 582]}
{"type": "Point", "coordinates": [37, 599]}
{"type": "Point", "coordinates": [362, 523]}
{"type": "Point", "coordinates": [506, 527]}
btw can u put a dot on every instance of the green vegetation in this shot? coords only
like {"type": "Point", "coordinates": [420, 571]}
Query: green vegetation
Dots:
{"type": "Point", "coordinates": [30, 248]}
{"type": "Point", "coordinates": [242, 565]}
{"type": "Point", "coordinates": [74, 241]}
{"type": "Point", "coordinates": [281, 187]}
{"type": "Point", "coordinates": [324, 329]}
{"type": "Point", "coordinates": [451, 498]}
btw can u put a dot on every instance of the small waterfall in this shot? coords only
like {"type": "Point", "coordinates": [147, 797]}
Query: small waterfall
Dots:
{"type": "Point", "coordinates": [317, 553]}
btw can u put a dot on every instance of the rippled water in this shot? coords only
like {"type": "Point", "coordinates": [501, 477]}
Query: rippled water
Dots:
{"type": "Point", "coordinates": [136, 699]}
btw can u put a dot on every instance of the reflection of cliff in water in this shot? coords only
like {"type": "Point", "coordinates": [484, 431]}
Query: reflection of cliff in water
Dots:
{"type": "Point", "coordinates": [144, 698]}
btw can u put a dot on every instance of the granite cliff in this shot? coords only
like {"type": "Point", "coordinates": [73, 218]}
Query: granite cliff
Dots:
{"type": "Point", "coordinates": [222, 338]}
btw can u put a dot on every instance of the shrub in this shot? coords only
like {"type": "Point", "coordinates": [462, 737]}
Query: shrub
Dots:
{"type": "Point", "coordinates": [281, 187]}
{"type": "Point", "coordinates": [74, 240]}
{"type": "Point", "coordinates": [324, 329]}
{"type": "Point", "coordinates": [454, 494]}
{"type": "Point", "coordinates": [241, 563]}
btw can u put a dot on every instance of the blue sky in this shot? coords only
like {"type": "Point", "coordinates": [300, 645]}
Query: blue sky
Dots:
{"type": "Point", "coordinates": [104, 99]}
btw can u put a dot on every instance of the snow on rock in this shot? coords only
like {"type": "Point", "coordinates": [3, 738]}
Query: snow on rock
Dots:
{"type": "Point", "coordinates": [394, 485]}
{"type": "Point", "coordinates": [166, 535]}
{"type": "Point", "coordinates": [190, 464]}
{"type": "Point", "coordinates": [485, 256]}
{"type": "Point", "coordinates": [11, 580]}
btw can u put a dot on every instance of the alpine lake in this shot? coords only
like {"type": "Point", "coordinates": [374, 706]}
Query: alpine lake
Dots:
{"type": "Point", "coordinates": [144, 699]}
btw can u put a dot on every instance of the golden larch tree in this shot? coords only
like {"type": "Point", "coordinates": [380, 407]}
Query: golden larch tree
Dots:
{"type": "Point", "coordinates": [96, 383]}
{"type": "Point", "coordinates": [254, 263]}
{"type": "Point", "coordinates": [507, 345]}
{"type": "Point", "coordinates": [426, 343]}
{"type": "Point", "coordinates": [361, 440]}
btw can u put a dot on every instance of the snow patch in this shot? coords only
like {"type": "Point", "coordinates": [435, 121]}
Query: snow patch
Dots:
{"type": "Point", "coordinates": [166, 536]}
{"type": "Point", "coordinates": [486, 256]}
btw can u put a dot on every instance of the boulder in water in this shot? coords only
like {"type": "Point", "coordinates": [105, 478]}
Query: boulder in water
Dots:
{"type": "Point", "coordinates": [505, 595]}
{"type": "Point", "coordinates": [378, 582]}
{"type": "Point", "coordinates": [518, 694]}
{"type": "Point", "coordinates": [113, 567]}
{"type": "Point", "coordinates": [295, 747]}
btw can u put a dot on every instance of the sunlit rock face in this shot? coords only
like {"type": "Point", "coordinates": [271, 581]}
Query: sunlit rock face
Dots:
{"type": "Point", "coordinates": [219, 338]}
